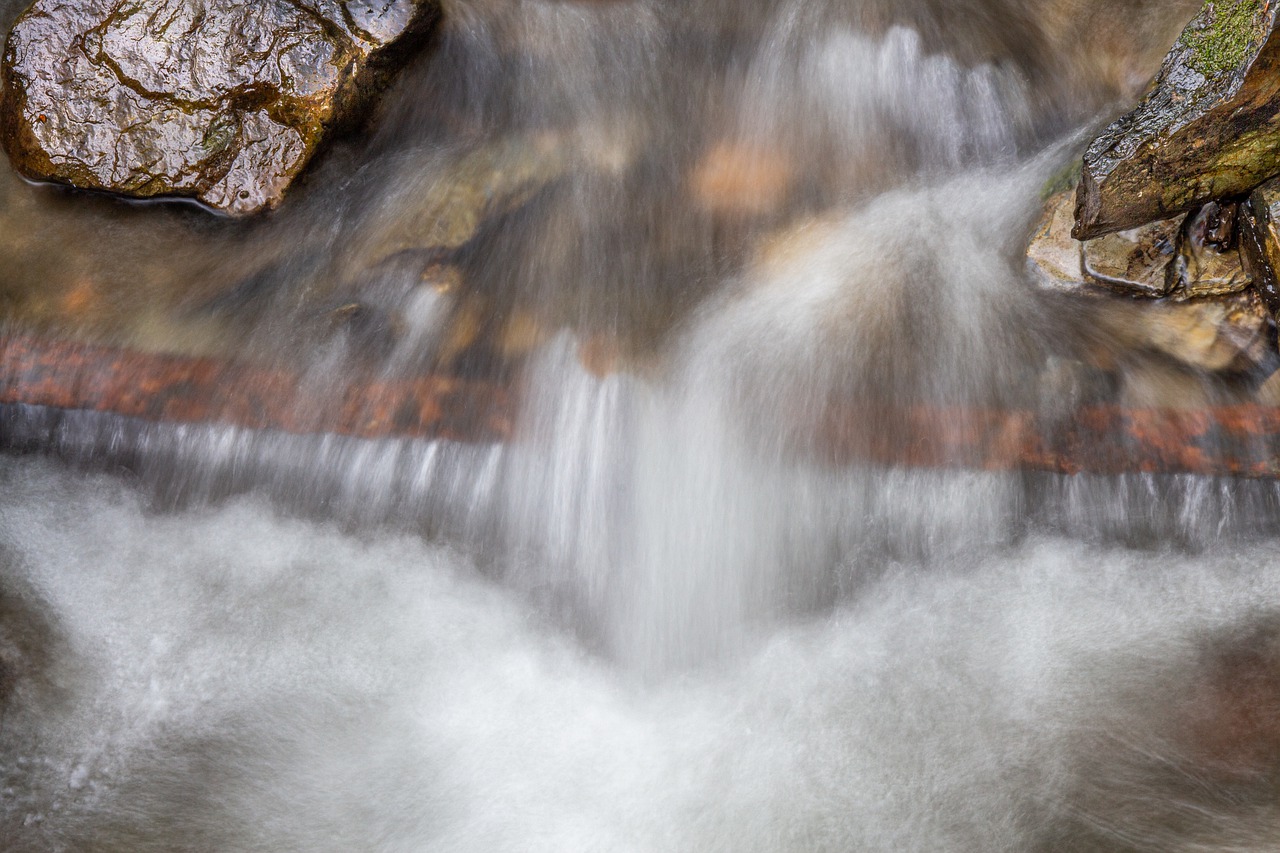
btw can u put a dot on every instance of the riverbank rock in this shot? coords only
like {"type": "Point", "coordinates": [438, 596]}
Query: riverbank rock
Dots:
{"type": "Point", "coordinates": [1198, 323]}
{"type": "Point", "coordinates": [1134, 262]}
{"type": "Point", "coordinates": [1260, 241]}
{"type": "Point", "coordinates": [1196, 256]}
{"type": "Point", "coordinates": [1208, 261]}
{"type": "Point", "coordinates": [1209, 128]}
{"type": "Point", "coordinates": [222, 101]}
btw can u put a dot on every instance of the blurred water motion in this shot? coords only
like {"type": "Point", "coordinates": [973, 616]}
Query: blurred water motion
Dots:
{"type": "Point", "coordinates": [657, 613]}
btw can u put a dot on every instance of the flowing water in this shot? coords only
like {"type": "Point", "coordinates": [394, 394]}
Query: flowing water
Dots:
{"type": "Point", "coordinates": [665, 615]}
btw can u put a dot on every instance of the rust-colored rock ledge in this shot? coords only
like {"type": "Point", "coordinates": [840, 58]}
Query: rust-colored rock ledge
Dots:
{"type": "Point", "coordinates": [65, 375]}
{"type": "Point", "coordinates": [1237, 441]}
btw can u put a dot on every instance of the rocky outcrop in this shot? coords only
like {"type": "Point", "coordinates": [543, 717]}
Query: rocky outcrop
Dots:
{"type": "Point", "coordinates": [218, 100]}
{"type": "Point", "coordinates": [1134, 262]}
{"type": "Point", "coordinates": [1209, 128]}
{"type": "Point", "coordinates": [1195, 256]}
{"type": "Point", "coordinates": [1208, 320]}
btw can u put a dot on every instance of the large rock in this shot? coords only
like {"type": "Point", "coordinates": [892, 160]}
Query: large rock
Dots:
{"type": "Point", "coordinates": [219, 100]}
{"type": "Point", "coordinates": [1230, 333]}
{"type": "Point", "coordinates": [1198, 325]}
{"type": "Point", "coordinates": [1208, 129]}
{"type": "Point", "coordinates": [1135, 262]}
{"type": "Point", "coordinates": [1053, 255]}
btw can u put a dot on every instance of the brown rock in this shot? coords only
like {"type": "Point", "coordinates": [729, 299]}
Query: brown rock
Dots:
{"type": "Point", "coordinates": [1268, 393]}
{"type": "Point", "coordinates": [1151, 261]}
{"type": "Point", "coordinates": [737, 178]}
{"type": "Point", "coordinates": [1208, 262]}
{"type": "Point", "coordinates": [1155, 385]}
{"type": "Point", "coordinates": [1208, 129]}
{"type": "Point", "coordinates": [219, 100]}
{"type": "Point", "coordinates": [1260, 242]}
{"type": "Point", "coordinates": [1222, 333]}
{"type": "Point", "coordinates": [1133, 262]}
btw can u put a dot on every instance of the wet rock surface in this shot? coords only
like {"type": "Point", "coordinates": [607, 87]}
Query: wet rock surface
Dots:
{"type": "Point", "coordinates": [1053, 257]}
{"type": "Point", "coordinates": [1208, 261]}
{"type": "Point", "coordinates": [1188, 258]}
{"type": "Point", "coordinates": [1260, 241]}
{"type": "Point", "coordinates": [220, 101]}
{"type": "Point", "coordinates": [1134, 262]}
{"type": "Point", "coordinates": [1207, 130]}
{"type": "Point", "coordinates": [1200, 310]}
{"type": "Point", "coordinates": [1217, 334]}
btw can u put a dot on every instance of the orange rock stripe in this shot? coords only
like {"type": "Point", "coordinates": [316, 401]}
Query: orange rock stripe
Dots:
{"type": "Point", "coordinates": [1241, 441]}
{"type": "Point", "coordinates": [65, 375]}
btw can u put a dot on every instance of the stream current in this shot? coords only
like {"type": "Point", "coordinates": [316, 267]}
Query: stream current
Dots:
{"type": "Point", "coordinates": [663, 616]}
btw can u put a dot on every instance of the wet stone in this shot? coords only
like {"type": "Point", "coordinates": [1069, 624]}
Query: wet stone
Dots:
{"type": "Point", "coordinates": [1153, 385]}
{"type": "Point", "coordinates": [1208, 261]}
{"type": "Point", "coordinates": [1225, 333]}
{"type": "Point", "coordinates": [1268, 393]}
{"type": "Point", "coordinates": [222, 101]}
{"type": "Point", "coordinates": [1260, 241]}
{"type": "Point", "coordinates": [1208, 129]}
{"type": "Point", "coordinates": [1133, 262]}
{"type": "Point", "coordinates": [1053, 257]}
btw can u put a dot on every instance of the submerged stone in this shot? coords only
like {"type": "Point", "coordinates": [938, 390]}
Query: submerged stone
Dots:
{"type": "Point", "coordinates": [1260, 241]}
{"type": "Point", "coordinates": [1225, 333]}
{"type": "Point", "coordinates": [1230, 333]}
{"type": "Point", "coordinates": [1196, 328]}
{"type": "Point", "coordinates": [222, 101]}
{"type": "Point", "coordinates": [1208, 129]}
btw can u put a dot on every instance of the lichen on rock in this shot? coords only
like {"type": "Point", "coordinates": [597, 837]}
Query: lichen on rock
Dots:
{"type": "Point", "coordinates": [218, 100]}
{"type": "Point", "coordinates": [1208, 129]}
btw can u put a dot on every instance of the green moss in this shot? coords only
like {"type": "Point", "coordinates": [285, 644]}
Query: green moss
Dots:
{"type": "Point", "coordinates": [1066, 178]}
{"type": "Point", "coordinates": [1222, 36]}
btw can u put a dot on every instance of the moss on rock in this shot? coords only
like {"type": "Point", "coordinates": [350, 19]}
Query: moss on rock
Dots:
{"type": "Point", "coordinates": [1208, 129]}
{"type": "Point", "coordinates": [1228, 30]}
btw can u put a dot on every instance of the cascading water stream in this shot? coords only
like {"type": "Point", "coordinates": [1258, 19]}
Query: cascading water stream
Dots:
{"type": "Point", "coordinates": [663, 615]}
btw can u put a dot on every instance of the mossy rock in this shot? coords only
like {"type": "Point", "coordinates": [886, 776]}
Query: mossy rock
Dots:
{"type": "Point", "coordinates": [1208, 129]}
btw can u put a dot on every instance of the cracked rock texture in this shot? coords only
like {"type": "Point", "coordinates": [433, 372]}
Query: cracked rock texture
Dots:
{"type": "Point", "coordinates": [1208, 129]}
{"type": "Point", "coordinates": [224, 101]}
